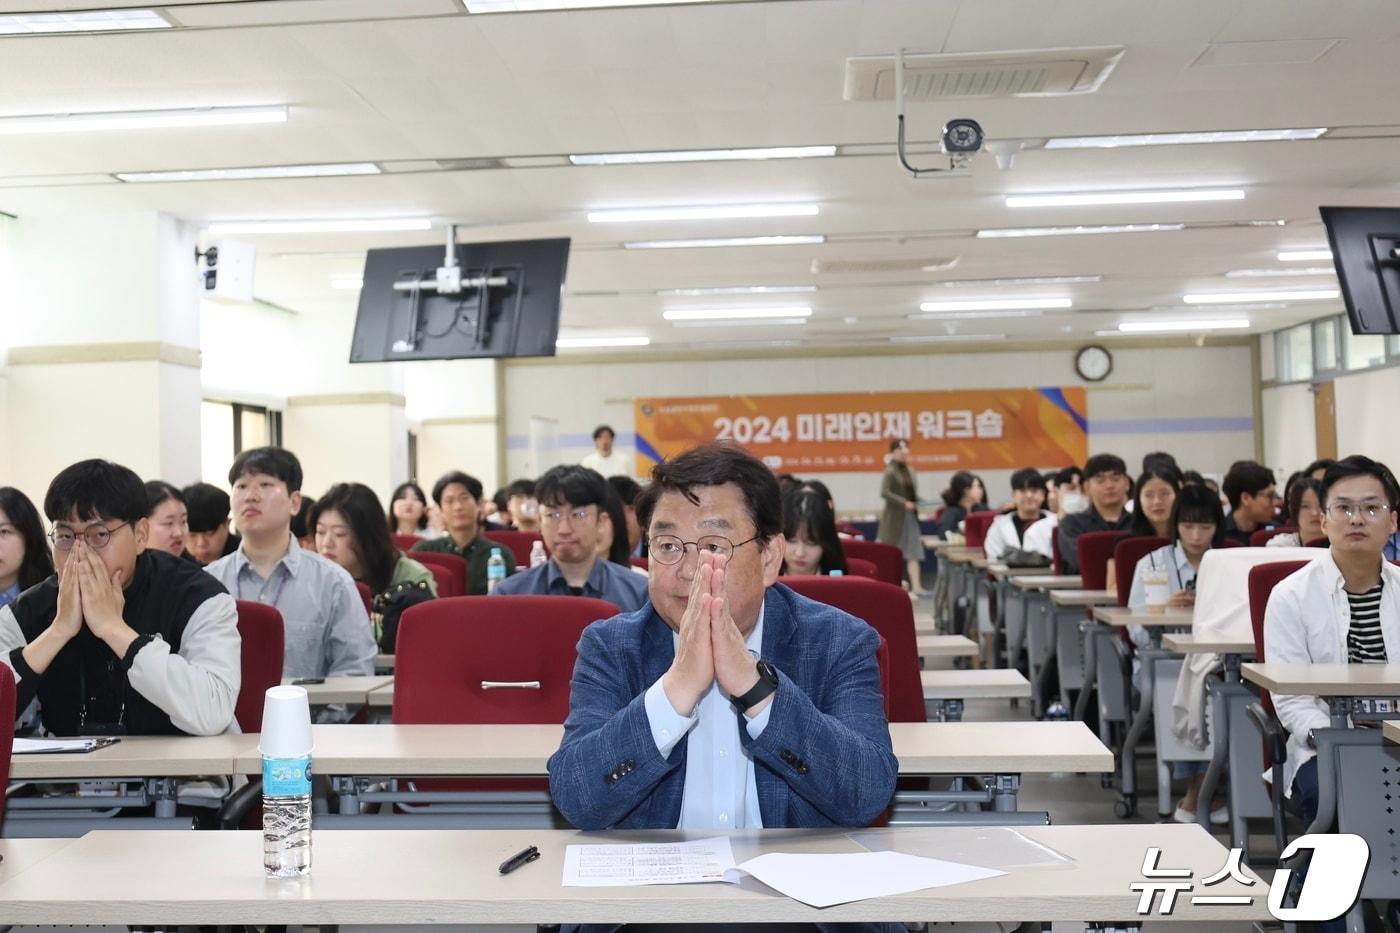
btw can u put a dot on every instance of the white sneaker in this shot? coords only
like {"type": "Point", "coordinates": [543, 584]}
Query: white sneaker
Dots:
{"type": "Point", "coordinates": [1220, 816]}
{"type": "Point", "coordinates": [1183, 815]}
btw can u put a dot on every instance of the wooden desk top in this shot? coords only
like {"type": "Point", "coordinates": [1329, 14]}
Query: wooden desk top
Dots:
{"type": "Point", "coordinates": [946, 646]}
{"type": "Point", "coordinates": [381, 697]}
{"type": "Point", "coordinates": [137, 756]}
{"type": "Point", "coordinates": [353, 690]}
{"type": "Point", "coordinates": [1186, 643]}
{"type": "Point", "coordinates": [935, 543]}
{"type": "Point", "coordinates": [962, 555]}
{"type": "Point", "coordinates": [998, 748]}
{"type": "Point", "coordinates": [17, 855]}
{"type": "Point", "coordinates": [962, 685]}
{"type": "Point", "coordinates": [384, 662]}
{"type": "Point", "coordinates": [1391, 729]}
{"type": "Point", "coordinates": [1048, 581]}
{"type": "Point", "coordinates": [1083, 598]}
{"type": "Point", "coordinates": [1117, 615]}
{"type": "Point", "coordinates": [1003, 572]}
{"type": "Point", "coordinates": [1336, 680]}
{"type": "Point", "coordinates": [440, 876]}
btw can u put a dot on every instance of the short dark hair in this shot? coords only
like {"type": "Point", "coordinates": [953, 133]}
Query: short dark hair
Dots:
{"type": "Point", "coordinates": [276, 462]}
{"type": "Point", "coordinates": [897, 443]}
{"type": "Point", "coordinates": [95, 490]}
{"type": "Point", "coordinates": [598, 431]}
{"type": "Point", "coordinates": [360, 508]}
{"type": "Point", "coordinates": [1158, 460]}
{"type": "Point", "coordinates": [520, 487]}
{"type": "Point", "coordinates": [37, 564]}
{"type": "Point", "coordinates": [159, 492]}
{"type": "Point", "coordinates": [1104, 463]}
{"type": "Point", "coordinates": [715, 464]}
{"type": "Point", "coordinates": [399, 490]}
{"type": "Point", "coordinates": [621, 550]}
{"type": "Point", "coordinates": [471, 483]}
{"type": "Point", "coordinates": [1068, 475]}
{"type": "Point", "coordinates": [1029, 478]}
{"type": "Point", "coordinates": [627, 489]}
{"type": "Point", "coordinates": [1322, 463]}
{"type": "Point", "coordinates": [301, 525]}
{"type": "Point", "coordinates": [1197, 505]}
{"type": "Point", "coordinates": [1192, 477]}
{"type": "Point", "coordinates": [1246, 476]}
{"type": "Point", "coordinates": [1358, 465]}
{"type": "Point", "coordinates": [208, 505]}
{"type": "Point", "coordinates": [574, 485]}
{"type": "Point", "coordinates": [502, 500]}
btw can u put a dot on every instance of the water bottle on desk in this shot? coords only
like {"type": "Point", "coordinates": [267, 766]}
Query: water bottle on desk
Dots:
{"type": "Point", "coordinates": [285, 745]}
{"type": "Point", "coordinates": [495, 570]}
{"type": "Point", "coordinates": [537, 555]}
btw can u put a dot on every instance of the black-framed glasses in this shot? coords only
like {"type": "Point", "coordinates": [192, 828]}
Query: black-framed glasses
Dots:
{"type": "Point", "coordinates": [96, 536]}
{"type": "Point", "coordinates": [668, 549]}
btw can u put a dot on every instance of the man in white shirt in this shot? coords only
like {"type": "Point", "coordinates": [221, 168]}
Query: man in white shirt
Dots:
{"type": "Point", "coordinates": [604, 459]}
{"type": "Point", "coordinates": [1008, 530]}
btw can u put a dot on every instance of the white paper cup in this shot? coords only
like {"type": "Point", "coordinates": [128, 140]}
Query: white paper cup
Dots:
{"type": "Point", "coordinates": [1158, 593]}
{"type": "Point", "coordinates": [286, 725]}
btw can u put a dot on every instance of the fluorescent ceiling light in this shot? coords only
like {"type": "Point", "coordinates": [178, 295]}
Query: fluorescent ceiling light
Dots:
{"type": "Point", "coordinates": [737, 290]}
{"type": "Point", "coordinates": [735, 314]}
{"type": "Point", "coordinates": [581, 343]}
{"type": "Point", "coordinates": [260, 171]}
{"type": "Point", "coordinates": [237, 227]}
{"type": "Point", "coordinates": [704, 155]}
{"type": "Point", "coordinates": [744, 344]}
{"type": "Point", "coordinates": [140, 120]}
{"type": "Point", "coordinates": [716, 212]}
{"type": "Point", "coordinates": [25, 24]}
{"type": "Point", "coordinates": [1148, 327]}
{"type": "Point", "coordinates": [726, 241]}
{"type": "Point", "coordinates": [1304, 255]}
{"type": "Point", "coordinates": [1075, 231]}
{"type": "Point", "coordinates": [1023, 280]}
{"type": "Point", "coordinates": [767, 322]}
{"type": "Point", "coordinates": [972, 315]}
{"type": "Point", "coordinates": [347, 282]}
{"type": "Point", "coordinates": [527, 6]}
{"type": "Point", "coordinates": [945, 338]}
{"type": "Point", "coordinates": [1221, 298]}
{"type": "Point", "coordinates": [1274, 273]}
{"type": "Point", "coordinates": [1091, 198]}
{"type": "Point", "coordinates": [997, 304]}
{"type": "Point", "coordinates": [1181, 139]}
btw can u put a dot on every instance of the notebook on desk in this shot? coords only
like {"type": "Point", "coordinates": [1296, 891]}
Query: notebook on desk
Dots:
{"type": "Point", "coordinates": [61, 746]}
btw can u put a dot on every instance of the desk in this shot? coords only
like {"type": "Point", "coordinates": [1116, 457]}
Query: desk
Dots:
{"type": "Point", "coordinates": [451, 877]}
{"type": "Point", "coordinates": [350, 690]}
{"type": "Point", "coordinates": [945, 691]}
{"type": "Point", "coordinates": [946, 646]}
{"type": "Point", "coordinates": [956, 565]}
{"type": "Point", "coordinates": [18, 855]}
{"type": "Point", "coordinates": [384, 664]}
{"type": "Point", "coordinates": [1048, 581]}
{"type": "Point", "coordinates": [1344, 686]}
{"type": "Point", "coordinates": [1391, 730]}
{"type": "Point", "coordinates": [1032, 627]}
{"type": "Point", "coordinates": [1083, 598]}
{"type": "Point", "coordinates": [1118, 616]}
{"type": "Point", "coordinates": [1186, 643]}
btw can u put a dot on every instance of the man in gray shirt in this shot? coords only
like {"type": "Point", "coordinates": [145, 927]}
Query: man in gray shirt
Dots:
{"type": "Point", "coordinates": [327, 630]}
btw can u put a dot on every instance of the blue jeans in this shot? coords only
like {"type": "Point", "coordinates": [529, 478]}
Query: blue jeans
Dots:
{"type": "Point", "coordinates": [1305, 799]}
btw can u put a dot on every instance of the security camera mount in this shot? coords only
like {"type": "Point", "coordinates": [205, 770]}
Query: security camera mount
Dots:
{"type": "Point", "coordinates": [956, 160]}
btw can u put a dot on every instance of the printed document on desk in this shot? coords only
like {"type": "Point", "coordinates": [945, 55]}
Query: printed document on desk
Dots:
{"type": "Point", "coordinates": [603, 866]}
{"type": "Point", "coordinates": [828, 880]}
{"type": "Point", "coordinates": [58, 746]}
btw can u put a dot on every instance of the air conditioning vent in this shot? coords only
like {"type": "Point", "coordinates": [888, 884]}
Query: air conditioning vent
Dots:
{"type": "Point", "coordinates": [1033, 73]}
{"type": "Point", "coordinates": [927, 264]}
{"type": "Point", "coordinates": [468, 165]}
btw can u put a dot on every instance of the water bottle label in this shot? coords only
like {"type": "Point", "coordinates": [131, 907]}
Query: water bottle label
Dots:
{"type": "Point", "coordinates": [287, 777]}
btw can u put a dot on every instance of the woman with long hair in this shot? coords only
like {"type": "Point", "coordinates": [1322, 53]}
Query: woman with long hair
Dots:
{"type": "Point", "coordinates": [809, 525]}
{"type": "Point", "coordinates": [24, 550]}
{"type": "Point", "coordinates": [1153, 497]}
{"type": "Point", "coordinates": [348, 524]}
{"type": "Point", "coordinates": [899, 522]}
{"type": "Point", "coordinates": [1304, 514]}
{"type": "Point", "coordinates": [408, 511]}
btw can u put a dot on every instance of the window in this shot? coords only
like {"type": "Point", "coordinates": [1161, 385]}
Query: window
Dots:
{"type": "Point", "coordinates": [1394, 343]}
{"type": "Point", "coordinates": [1325, 345]}
{"type": "Point", "coordinates": [228, 429]}
{"type": "Point", "coordinates": [1362, 351]}
{"type": "Point", "coordinates": [1293, 354]}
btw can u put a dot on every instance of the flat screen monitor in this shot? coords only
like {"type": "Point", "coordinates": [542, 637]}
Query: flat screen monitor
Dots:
{"type": "Point", "coordinates": [507, 304]}
{"type": "Point", "coordinates": [1366, 251]}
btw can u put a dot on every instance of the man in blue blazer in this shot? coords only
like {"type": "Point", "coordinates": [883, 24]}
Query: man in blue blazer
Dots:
{"type": "Point", "coordinates": [727, 702]}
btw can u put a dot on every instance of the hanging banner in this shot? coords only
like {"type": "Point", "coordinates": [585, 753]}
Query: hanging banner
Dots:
{"type": "Point", "coordinates": [972, 429]}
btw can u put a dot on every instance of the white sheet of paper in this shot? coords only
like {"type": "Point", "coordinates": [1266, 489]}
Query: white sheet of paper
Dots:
{"type": "Point", "coordinates": [602, 866]}
{"type": "Point", "coordinates": [38, 746]}
{"type": "Point", "coordinates": [828, 880]}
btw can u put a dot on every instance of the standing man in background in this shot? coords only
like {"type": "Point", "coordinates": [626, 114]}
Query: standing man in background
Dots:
{"type": "Point", "coordinates": [604, 459]}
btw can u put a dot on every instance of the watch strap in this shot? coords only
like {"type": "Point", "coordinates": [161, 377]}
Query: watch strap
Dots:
{"type": "Point", "coordinates": [767, 684]}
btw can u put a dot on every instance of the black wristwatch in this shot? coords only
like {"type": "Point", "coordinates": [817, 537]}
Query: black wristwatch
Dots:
{"type": "Point", "coordinates": [767, 683]}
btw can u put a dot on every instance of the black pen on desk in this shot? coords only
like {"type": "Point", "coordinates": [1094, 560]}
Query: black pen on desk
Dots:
{"type": "Point", "coordinates": [523, 857]}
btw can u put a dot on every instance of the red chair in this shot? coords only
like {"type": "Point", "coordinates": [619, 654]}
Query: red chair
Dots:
{"type": "Point", "coordinates": [975, 527]}
{"type": "Point", "coordinates": [888, 559]}
{"type": "Point", "coordinates": [846, 528]}
{"type": "Point", "coordinates": [1125, 560]}
{"type": "Point", "coordinates": [1261, 537]}
{"type": "Point", "coordinates": [641, 562]}
{"type": "Point", "coordinates": [453, 564]}
{"type": "Point", "coordinates": [7, 732]}
{"type": "Point", "coordinates": [366, 596]}
{"type": "Point", "coordinates": [519, 543]}
{"type": "Point", "coordinates": [1318, 542]}
{"type": "Point", "coordinates": [856, 567]}
{"type": "Point", "coordinates": [404, 542]}
{"type": "Point", "coordinates": [260, 628]}
{"type": "Point", "coordinates": [1057, 566]}
{"type": "Point", "coordinates": [1093, 549]}
{"type": "Point", "coordinates": [448, 582]}
{"type": "Point", "coordinates": [882, 658]}
{"type": "Point", "coordinates": [888, 610]}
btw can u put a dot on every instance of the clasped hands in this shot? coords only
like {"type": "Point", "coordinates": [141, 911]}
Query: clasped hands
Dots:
{"type": "Point", "coordinates": [89, 595]}
{"type": "Point", "coordinates": [710, 647]}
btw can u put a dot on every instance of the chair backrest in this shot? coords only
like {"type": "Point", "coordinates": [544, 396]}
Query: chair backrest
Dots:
{"type": "Point", "coordinates": [975, 527]}
{"type": "Point", "coordinates": [846, 528]}
{"type": "Point", "coordinates": [366, 595]}
{"type": "Point", "coordinates": [490, 659]}
{"type": "Point", "coordinates": [640, 563]}
{"type": "Point", "coordinates": [453, 564]}
{"type": "Point", "coordinates": [1126, 555]}
{"type": "Point", "coordinates": [860, 567]}
{"type": "Point", "coordinates": [1057, 566]}
{"type": "Point", "coordinates": [260, 628]}
{"type": "Point", "coordinates": [882, 658]}
{"type": "Point", "coordinates": [888, 610]}
{"type": "Point", "coordinates": [519, 543]}
{"type": "Point", "coordinates": [7, 729]}
{"type": "Point", "coordinates": [449, 583]}
{"type": "Point", "coordinates": [1318, 542]}
{"type": "Point", "coordinates": [404, 542]}
{"type": "Point", "coordinates": [1262, 580]}
{"type": "Point", "coordinates": [888, 559]}
{"type": "Point", "coordinates": [1261, 537]}
{"type": "Point", "coordinates": [1094, 549]}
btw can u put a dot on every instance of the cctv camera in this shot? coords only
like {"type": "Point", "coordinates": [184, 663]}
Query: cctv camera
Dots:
{"type": "Point", "coordinates": [962, 136]}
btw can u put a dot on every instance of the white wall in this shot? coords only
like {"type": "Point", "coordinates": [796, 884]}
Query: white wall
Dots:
{"type": "Point", "coordinates": [1290, 429]}
{"type": "Point", "coordinates": [1366, 404]}
{"type": "Point", "coordinates": [1196, 402]}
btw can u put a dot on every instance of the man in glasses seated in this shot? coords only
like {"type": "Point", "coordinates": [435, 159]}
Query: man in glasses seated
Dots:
{"type": "Point", "coordinates": [728, 701]}
{"type": "Point", "coordinates": [1342, 608]}
{"type": "Point", "coordinates": [121, 640]}
{"type": "Point", "coordinates": [572, 500]}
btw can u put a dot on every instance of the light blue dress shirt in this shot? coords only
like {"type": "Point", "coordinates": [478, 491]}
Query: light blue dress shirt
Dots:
{"type": "Point", "coordinates": [720, 792]}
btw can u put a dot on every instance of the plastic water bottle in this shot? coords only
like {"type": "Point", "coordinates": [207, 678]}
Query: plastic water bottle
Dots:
{"type": "Point", "coordinates": [835, 573]}
{"type": "Point", "coordinates": [285, 745]}
{"type": "Point", "coordinates": [495, 570]}
{"type": "Point", "coordinates": [1057, 712]}
{"type": "Point", "coordinates": [536, 554]}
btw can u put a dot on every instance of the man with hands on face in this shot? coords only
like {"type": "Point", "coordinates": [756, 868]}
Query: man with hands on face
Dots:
{"type": "Point", "coordinates": [121, 639]}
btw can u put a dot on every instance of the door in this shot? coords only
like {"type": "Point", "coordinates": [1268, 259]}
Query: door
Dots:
{"type": "Point", "coordinates": [1325, 418]}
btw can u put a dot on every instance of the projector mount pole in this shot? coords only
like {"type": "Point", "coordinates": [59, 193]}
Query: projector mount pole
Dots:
{"type": "Point", "coordinates": [899, 112]}
{"type": "Point", "coordinates": [447, 280]}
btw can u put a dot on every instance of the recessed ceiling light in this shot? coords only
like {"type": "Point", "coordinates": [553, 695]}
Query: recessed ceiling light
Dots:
{"type": "Point", "coordinates": [735, 314]}
{"type": "Point", "coordinates": [252, 172]}
{"type": "Point", "coordinates": [1092, 198]}
{"type": "Point", "coordinates": [1182, 139]}
{"type": "Point", "coordinates": [945, 338]}
{"type": "Point", "coordinates": [347, 282]}
{"type": "Point", "coordinates": [26, 24]}
{"type": "Point", "coordinates": [736, 290]}
{"type": "Point", "coordinates": [243, 227]}
{"type": "Point", "coordinates": [769, 322]}
{"type": "Point", "coordinates": [1275, 273]}
{"type": "Point", "coordinates": [745, 344]}
{"type": "Point", "coordinates": [1075, 231]}
{"type": "Point", "coordinates": [582, 343]}
{"type": "Point", "coordinates": [997, 304]}
{"type": "Point", "coordinates": [713, 212]}
{"type": "Point", "coordinates": [1221, 298]}
{"type": "Point", "coordinates": [1024, 280]}
{"type": "Point", "coordinates": [726, 241]}
{"type": "Point", "coordinates": [972, 315]}
{"type": "Point", "coordinates": [1147, 327]}
{"type": "Point", "coordinates": [704, 155]}
{"type": "Point", "coordinates": [1304, 255]}
{"type": "Point", "coordinates": [139, 120]}
{"type": "Point", "coordinates": [529, 6]}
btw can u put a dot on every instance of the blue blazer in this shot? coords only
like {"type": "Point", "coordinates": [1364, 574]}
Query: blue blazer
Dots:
{"type": "Point", "coordinates": [824, 759]}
